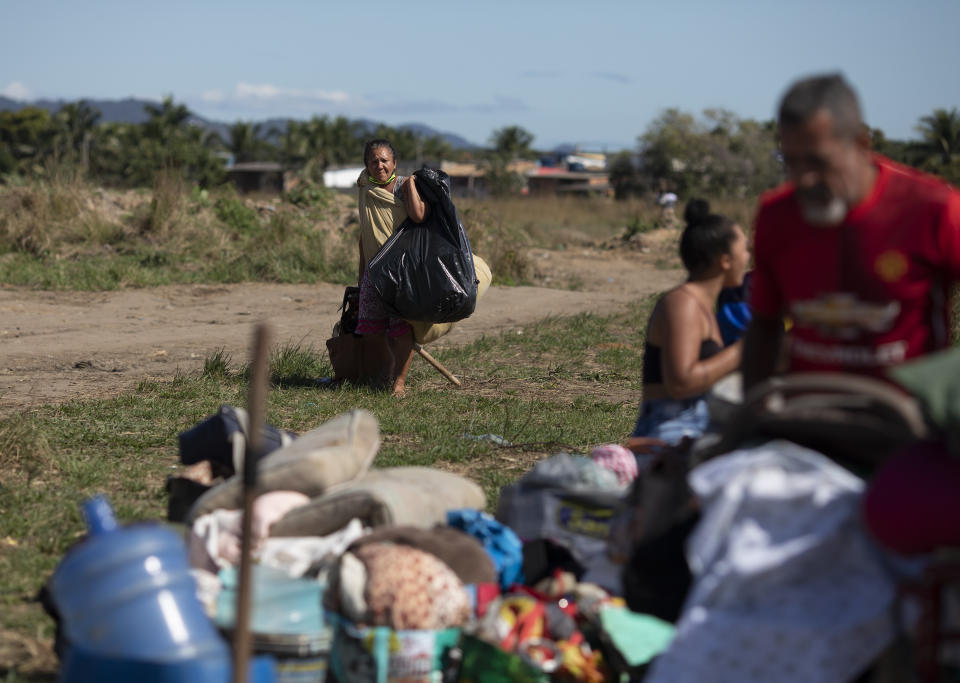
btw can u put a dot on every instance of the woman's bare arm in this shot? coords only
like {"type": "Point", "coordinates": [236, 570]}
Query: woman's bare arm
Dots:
{"type": "Point", "coordinates": [417, 209]}
{"type": "Point", "coordinates": [684, 374]}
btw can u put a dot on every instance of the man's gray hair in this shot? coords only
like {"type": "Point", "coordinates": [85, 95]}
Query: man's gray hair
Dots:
{"type": "Point", "coordinates": [829, 92]}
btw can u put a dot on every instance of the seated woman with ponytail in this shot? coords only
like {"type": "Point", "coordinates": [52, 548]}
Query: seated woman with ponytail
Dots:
{"type": "Point", "coordinates": [684, 355]}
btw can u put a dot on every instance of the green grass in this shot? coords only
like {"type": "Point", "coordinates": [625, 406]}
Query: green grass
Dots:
{"type": "Point", "coordinates": [564, 384]}
{"type": "Point", "coordinates": [70, 236]}
{"type": "Point", "coordinates": [63, 234]}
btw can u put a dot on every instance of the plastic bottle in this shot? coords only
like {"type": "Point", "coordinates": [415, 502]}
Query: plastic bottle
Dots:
{"type": "Point", "coordinates": [128, 592]}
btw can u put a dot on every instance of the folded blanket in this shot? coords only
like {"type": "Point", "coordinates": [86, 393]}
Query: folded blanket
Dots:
{"type": "Point", "coordinates": [418, 496]}
{"type": "Point", "coordinates": [335, 452]}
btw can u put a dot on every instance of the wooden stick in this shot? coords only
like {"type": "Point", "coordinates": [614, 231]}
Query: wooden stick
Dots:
{"type": "Point", "coordinates": [256, 400]}
{"type": "Point", "coordinates": [435, 363]}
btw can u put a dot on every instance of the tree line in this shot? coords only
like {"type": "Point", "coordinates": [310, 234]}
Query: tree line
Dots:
{"type": "Point", "coordinates": [33, 141]}
{"type": "Point", "coordinates": [716, 154]}
{"type": "Point", "coordinates": [721, 155]}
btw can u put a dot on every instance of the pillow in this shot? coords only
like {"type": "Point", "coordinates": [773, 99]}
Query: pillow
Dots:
{"type": "Point", "coordinates": [457, 549]}
{"type": "Point", "coordinates": [417, 496]}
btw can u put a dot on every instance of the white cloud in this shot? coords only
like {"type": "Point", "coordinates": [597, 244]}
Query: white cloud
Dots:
{"type": "Point", "coordinates": [260, 91]}
{"type": "Point", "coordinates": [17, 91]}
{"type": "Point", "coordinates": [213, 96]}
{"type": "Point", "coordinates": [266, 91]}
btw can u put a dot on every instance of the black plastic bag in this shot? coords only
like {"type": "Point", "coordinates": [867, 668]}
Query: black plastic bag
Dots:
{"type": "Point", "coordinates": [425, 272]}
{"type": "Point", "coordinates": [221, 438]}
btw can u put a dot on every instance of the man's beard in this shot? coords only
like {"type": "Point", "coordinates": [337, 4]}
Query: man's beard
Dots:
{"type": "Point", "coordinates": [823, 214]}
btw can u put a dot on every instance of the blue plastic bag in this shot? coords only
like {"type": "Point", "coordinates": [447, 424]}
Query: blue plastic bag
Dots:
{"type": "Point", "coordinates": [502, 545]}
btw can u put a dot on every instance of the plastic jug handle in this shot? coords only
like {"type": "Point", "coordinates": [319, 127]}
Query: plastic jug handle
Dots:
{"type": "Point", "coordinates": [99, 515]}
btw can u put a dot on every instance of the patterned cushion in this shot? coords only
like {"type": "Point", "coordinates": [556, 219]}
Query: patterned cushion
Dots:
{"type": "Point", "coordinates": [411, 589]}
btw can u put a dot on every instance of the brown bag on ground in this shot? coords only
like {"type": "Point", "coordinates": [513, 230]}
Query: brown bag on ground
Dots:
{"type": "Point", "coordinates": [344, 345]}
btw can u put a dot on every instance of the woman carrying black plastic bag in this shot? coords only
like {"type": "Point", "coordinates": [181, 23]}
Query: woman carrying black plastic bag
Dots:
{"type": "Point", "coordinates": [385, 201]}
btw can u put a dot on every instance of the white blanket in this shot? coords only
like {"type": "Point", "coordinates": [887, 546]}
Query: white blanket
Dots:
{"type": "Point", "coordinates": [786, 585]}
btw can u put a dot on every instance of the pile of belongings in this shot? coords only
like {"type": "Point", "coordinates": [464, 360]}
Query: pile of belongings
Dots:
{"type": "Point", "coordinates": [398, 574]}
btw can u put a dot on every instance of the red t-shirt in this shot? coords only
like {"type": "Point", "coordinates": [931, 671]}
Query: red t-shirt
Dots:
{"type": "Point", "coordinates": [870, 292]}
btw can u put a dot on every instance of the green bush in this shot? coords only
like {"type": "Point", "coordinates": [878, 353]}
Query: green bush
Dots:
{"type": "Point", "coordinates": [308, 195]}
{"type": "Point", "coordinates": [237, 215]}
{"type": "Point", "coordinates": [637, 226]}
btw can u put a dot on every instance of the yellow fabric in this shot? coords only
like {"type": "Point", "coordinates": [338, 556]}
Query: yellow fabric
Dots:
{"type": "Point", "coordinates": [380, 214]}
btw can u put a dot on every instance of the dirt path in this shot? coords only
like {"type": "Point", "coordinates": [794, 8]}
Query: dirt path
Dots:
{"type": "Point", "coordinates": [56, 346]}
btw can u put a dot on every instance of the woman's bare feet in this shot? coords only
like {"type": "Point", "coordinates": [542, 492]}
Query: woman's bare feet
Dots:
{"type": "Point", "coordinates": [402, 349]}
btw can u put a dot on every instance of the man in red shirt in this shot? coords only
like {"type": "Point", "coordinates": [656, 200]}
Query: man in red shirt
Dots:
{"type": "Point", "coordinates": [859, 252]}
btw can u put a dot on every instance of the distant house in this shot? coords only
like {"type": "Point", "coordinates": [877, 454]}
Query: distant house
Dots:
{"type": "Point", "coordinates": [342, 177]}
{"type": "Point", "coordinates": [575, 160]}
{"type": "Point", "coordinates": [586, 161]}
{"type": "Point", "coordinates": [559, 181]}
{"type": "Point", "coordinates": [257, 176]}
{"type": "Point", "coordinates": [466, 180]}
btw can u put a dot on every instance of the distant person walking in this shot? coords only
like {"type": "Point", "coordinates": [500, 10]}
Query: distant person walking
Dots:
{"type": "Point", "coordinates": [667, 201]}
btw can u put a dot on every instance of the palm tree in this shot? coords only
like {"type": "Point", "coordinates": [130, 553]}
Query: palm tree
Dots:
{"type": "Point", "coordinates": [165, 120]}
{"type": "Point", "coordinates": [244, 140]}
{"type": "Point", "coordinates": [77, 121]}
{"type": "Point", "coordinates": [292, 144]}
{"type": "Point", "coordinates": [941, 133]}
{"type": "Point", "coordinates": [436, 148]}
{"type": "Point", "coordinates": [511, 142]}
{"type": "Point", "coordinates": [343, 141]}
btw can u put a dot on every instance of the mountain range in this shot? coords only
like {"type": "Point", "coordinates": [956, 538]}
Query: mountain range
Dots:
{"type": "Point", "coordinates": [131, 110]}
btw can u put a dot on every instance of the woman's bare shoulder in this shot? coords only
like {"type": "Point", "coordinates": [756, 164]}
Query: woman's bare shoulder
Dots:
{"type": "Point", "coordinates": [678, 299]}
{"type": "Point", "coordinates": [679, 306]}
{"type": "Point", "coordinates": [672, 308]}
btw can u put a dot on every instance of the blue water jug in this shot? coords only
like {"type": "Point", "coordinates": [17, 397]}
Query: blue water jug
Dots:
{"type": "Point", "coordinates": [127, 592]}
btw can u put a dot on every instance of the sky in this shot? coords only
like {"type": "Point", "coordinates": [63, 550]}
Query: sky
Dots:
{"type": "Point", "coordinates": [590, 73]}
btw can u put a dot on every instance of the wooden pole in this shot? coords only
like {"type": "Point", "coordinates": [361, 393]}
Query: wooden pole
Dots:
{"type": "Point", "coordinates": [256, 400]}
{"type": "Point", "coordinates": [435, 363]}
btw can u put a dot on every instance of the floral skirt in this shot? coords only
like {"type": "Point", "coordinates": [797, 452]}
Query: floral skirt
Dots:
{"type": "Point", "coordinates": [373, 317]}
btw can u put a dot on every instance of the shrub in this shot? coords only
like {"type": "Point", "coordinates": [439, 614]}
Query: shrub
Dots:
{"type": "Point", "coordinates": [237, 215]}
{"type": "Point", "coordinates": [40, 216]}
{"type": "Point", "coordinates": [166, 205]}
{"type": "Point", "coordinates": [306, 194]}
{"type": "Point", "coordinates": [637, 226]}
